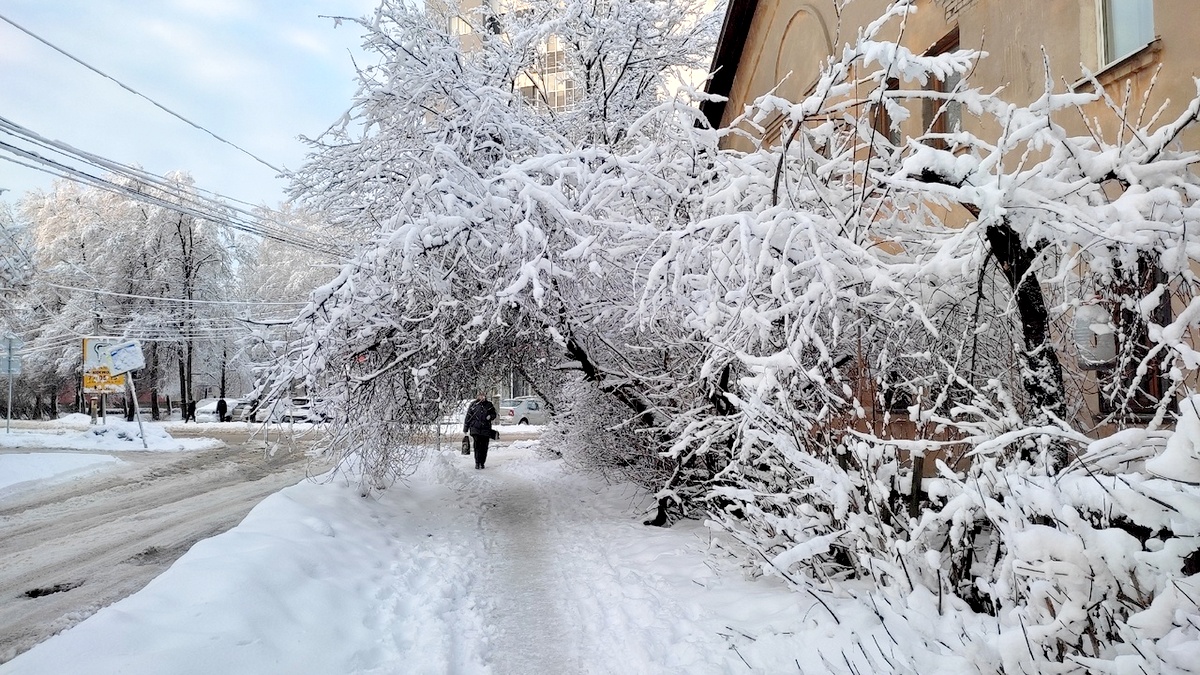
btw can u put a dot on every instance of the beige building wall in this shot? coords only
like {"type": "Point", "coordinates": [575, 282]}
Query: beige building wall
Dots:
{"type": "Point", "coordinates": [787, 40]}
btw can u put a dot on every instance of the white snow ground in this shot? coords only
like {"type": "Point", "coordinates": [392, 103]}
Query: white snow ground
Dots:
{"type": "Point", "coordinates": [523, 568]}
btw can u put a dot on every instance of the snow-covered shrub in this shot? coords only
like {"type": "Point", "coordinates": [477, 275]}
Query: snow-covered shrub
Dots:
{"type": "Point", "coordinates": [840, 282]}
{"type": "Point", "coordinates": [591, 431]}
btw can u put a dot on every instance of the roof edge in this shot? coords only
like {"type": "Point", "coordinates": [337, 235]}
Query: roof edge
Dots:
{"type": "Point", "coordinates": [730, 44]}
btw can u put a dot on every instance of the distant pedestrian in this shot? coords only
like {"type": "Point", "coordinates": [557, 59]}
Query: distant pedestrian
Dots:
{"type": "Point", "coordinates": [222, 408]}
{"type": "Point", "coordinates": [478, 423]}
{"type": "Point", "coordinates": [189, 413]}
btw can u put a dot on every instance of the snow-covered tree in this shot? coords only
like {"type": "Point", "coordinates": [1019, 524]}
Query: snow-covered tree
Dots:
{"type": "Point", "coordinates": [275, 279]}
{"type": "Point", "coordinates": [112, 264]}
{"type": "Point", "coordinates": [467, 197]}
{"type": "Point", "coordinates": [16, 265]}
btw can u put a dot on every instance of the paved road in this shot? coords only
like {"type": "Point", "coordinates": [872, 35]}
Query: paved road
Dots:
{"type": "Point", "coordinates": [69, 550]}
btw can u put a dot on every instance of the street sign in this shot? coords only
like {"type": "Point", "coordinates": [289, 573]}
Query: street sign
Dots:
{"type": "Point", "coordinates": [10, 365]}
{"type": "Point", "coordinates": [126, 356]}
{"type": "Point", "coordinates": [98, 374]}
{"type": "Point", "coordinates": [11, 342]}
{"type": "Point", "coordinates": [102, 381]}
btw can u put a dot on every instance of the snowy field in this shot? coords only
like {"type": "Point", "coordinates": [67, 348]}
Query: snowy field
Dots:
{"type": "Point", "coordinates": [524, 567]}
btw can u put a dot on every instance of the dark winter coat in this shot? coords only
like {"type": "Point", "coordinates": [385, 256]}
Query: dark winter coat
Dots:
{"type": "Point", "coordinates": [478, 421]}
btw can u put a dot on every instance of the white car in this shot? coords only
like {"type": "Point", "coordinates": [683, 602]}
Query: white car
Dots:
{"type": "Point", "coordinates": [524, 410]}
{"type": "Point", "coordinates": [302, 410]}
{"type": "Point", "coordinates": [206, 410]}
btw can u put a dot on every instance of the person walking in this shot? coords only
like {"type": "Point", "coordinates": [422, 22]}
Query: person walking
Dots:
{"type": "Point", "coordinates": [478, 423]}
{"type": "Point", "coordinates": [222, 408]}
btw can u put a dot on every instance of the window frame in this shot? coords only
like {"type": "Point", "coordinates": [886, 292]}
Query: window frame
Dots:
{"type": "Point", "coordinates": [1105, 47]}
{"type": "Point", "coordinates": [938, 116]}
{"type": "Point", "coordinates": [881, 119]}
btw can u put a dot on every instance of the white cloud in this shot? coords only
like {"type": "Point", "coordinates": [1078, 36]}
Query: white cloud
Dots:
{"type": "Point", "coordinates": [259, 74]}
{"type": "Point", "coordinates": [211, 59]}
{"type": "Point", "coordinates": [310, 41]}
{"type": "Point", "coordinates": [225, 10]}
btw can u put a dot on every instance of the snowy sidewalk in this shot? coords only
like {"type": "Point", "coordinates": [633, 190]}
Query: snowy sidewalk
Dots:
{"type": "Point", "coordinates": [522, 568]}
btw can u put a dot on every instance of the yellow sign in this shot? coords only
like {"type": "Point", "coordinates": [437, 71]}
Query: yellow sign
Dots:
{"type": "Point", "coordinates": [101, 381]}
{"type": "Point", "coordinates": [97, 373]}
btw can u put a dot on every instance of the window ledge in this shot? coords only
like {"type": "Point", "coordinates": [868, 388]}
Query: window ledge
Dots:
{"type": "Point", "coordinates": [1123, 68]}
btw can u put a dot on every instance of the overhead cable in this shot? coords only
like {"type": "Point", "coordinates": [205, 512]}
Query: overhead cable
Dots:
{"type": "Point", "coordinates": [114, 167]}
{"type": "Point", "coordinates": [138, 93]}
{"type": "Point", "coordinates": [256, 303]}
{"type": "Point", "coordinates": [191, 203]}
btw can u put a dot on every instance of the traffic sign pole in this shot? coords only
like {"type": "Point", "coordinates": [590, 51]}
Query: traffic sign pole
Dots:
{"type": "Point", "coordinates": [137, 411]}
{"type": "Point", "coordinates": [11, 343]}
{"type": "Point", "coordinates": [8, 417]}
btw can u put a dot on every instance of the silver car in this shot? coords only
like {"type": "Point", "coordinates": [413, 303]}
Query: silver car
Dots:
{"type": "Point", "coordinates": [524, 410]}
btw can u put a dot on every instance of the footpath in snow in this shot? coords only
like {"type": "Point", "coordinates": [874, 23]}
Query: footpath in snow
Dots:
{"type": "Point", "coordinates": [523, 568]}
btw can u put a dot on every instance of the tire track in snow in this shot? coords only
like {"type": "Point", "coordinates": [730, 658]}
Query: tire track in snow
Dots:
{"type": "Point", "coordinates": [122, 532]}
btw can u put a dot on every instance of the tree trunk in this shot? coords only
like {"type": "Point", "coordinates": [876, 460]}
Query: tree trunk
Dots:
{"type": "Point", "coordinates": [224, 358]}
{"type": "Point", "coordinates": [1042, 374]}
{"type": "Point", "coordinates": [155, 412]}
{"type": "Point", "coordinates": [190, 346]}
{"type": "Point", "coordinates": [184, 396]}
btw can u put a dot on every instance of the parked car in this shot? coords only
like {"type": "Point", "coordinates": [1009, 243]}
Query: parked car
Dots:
{"type": "Point", "coordinates": [304, 409]}
{"type": "Point", "coordinates": [524, 410]}
{"type": "Point", "coordinates": [239, 409]}
{"type": "Point", "coordinates": [206, 410]}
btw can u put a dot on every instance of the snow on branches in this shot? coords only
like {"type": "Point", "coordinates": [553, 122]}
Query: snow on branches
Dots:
{"type": "Point", "coordinates": [847, 347]}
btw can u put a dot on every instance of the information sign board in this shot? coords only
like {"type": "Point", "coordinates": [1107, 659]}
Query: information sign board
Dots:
{"type": "Point", "coordinates": [98, 374]}
{"type": "Point", "coordinates": [126, 356]}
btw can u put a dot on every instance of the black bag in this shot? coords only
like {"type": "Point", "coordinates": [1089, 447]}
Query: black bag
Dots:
{"type": "Point", "coordinates": [495, 435]}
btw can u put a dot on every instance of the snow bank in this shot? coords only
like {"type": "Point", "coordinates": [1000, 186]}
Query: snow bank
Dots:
{"type": "Point", "coordinates": [45, 467]}
{"type": "Point", "coordinates": [75, 432]}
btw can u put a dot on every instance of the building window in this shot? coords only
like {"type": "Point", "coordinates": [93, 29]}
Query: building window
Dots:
{"type": "Point", "coordinates": [531, 95]}
{"type": "Point", "coordinates": [897, 394]}
{"type": "Point", "coordinates": [551, 62]}
{"type": "Point", "coordinates": [1127, 26]}
{"type": "Point", "coordinates": [941, 116]}
{"type": "Point", "coordinates": [572, 94]}
{"type": "Point", "coordinates": [459, 26]}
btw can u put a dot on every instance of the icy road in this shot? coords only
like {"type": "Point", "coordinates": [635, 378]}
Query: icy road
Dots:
{"type": "Point", "coordinates": [68, 550]}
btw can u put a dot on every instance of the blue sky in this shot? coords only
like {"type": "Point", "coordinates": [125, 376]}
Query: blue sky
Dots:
{"type": "Point", "coordinates": [257, 72]}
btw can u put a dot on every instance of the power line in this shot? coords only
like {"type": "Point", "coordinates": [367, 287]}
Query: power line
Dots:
{"type": "Point", "coordinates": [138, 93]}
{"type": "Point", "coordinates": [181, 300]}
{"type": "Point", "coordinates": [190, 202]}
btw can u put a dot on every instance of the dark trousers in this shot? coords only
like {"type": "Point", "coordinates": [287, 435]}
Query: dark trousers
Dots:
{"type": "Point", "coordinates": [481, 446]}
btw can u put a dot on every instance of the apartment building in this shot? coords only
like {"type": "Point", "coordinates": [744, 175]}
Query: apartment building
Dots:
{"type": "Point", "coordinates": [547, 83]}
